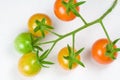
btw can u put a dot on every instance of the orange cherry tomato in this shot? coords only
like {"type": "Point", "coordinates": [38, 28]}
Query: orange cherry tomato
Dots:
{"type": "Point", "coordinates": [63, 62]}
{"type": "Point", "coordinates": [60, 11]}
{"type": "Point", "coordinates": [99, 50]}
{"type": "Point", "coordinates": [32, 25]}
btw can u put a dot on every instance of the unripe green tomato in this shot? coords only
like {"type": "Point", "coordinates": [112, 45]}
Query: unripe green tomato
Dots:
{"type": "Point", "coordinates": [23, 43]}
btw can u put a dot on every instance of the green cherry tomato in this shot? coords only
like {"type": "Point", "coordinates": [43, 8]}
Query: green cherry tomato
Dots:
{"type": "Point", "coordinates": [28, 65]}
{"type": "Point", "coordinates": [23, 43]}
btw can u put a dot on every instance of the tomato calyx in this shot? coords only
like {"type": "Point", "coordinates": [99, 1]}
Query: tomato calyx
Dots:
{"type": "Point", "coordinates": [34, 41]}
{"type": "Point", "coordinates": [42, 26]}
{"type": "Point", "coordinates": [71, 6]}
{"type": "Point", "coordinates": [72, 57]}
{"type": "Point", "coordinates": [36, 49]}
{"type": "Point", "coordinates": [40, 59]}
{"type": "Point", "coordinates": [110, 47]}
{"type": "Point", "coordinates": [111, 50]}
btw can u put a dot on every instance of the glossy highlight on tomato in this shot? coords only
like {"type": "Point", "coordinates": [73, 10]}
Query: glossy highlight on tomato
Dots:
{"type": "Point", "coordinates": [60, 11]}
{"type": "Point", "coordinates": [28, 65]}
{"type": "Point", "coordinates": [32, 23]}
{"type": "Point", "coordinates": [99, 50]}
{"type": "Point", "coordinates": [63, 62]}
{"type": "Point", "coordinates": [23, 43]}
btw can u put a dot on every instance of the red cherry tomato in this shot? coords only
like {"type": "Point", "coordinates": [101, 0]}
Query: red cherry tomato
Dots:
{"type": "Point", "coordinates": [99, 50]}
{"type": "Point", "coordinates": [60, 11]}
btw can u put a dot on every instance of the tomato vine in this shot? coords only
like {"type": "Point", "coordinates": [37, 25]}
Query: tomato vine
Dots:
{"type": "Point", "coordinates": [86, 25]}
{"type": "Point", "coordinates": [70, 7]}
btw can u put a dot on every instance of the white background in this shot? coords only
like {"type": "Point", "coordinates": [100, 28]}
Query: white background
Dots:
{"type": "Point", "coordinates": [14, 15]}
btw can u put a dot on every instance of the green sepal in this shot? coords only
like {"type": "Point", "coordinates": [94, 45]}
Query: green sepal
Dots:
{"type": "Point", "coordinates": [47, 62]}
{"type": "Point", "coordinates": [71, 6]}
{"type": "Point", "coordinates": [110, 50]}
{"type": "Point", "coordinates": [79, 62]}
{"type": "Point", "coordinates": [42, 26]}
{"type": "Point", "coordinates": [44, 55]}
{"type": "Point", "coordinates": [79, 3]}
{"type": "Point", "coordinates": [38, 48]}
{"type": "Point", "coordinates": [79, 51]}
{"type": "Point", "coordinates": [70, 64]}
{"type": "Point", "coordinates": [40, 59]}
{"type": "Point", "coordinates": [72, 57]}
{"type": "Point", "coordinates": [115, 41]}
{"type": "Point", "coordinates": [36, 29]}
{"type": "Point", "coordinates": [69, 50]}
{"type": "Point", "coordinates": [42, 32]}
{"type": "Point", "coordinates": [36, 40]}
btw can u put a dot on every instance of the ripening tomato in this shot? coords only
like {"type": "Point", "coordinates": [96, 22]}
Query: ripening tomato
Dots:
{"type": "Point", "coordinates": [63, 62]}
{"type": "Point", "coordinates": [32, 23]}
{"type": "Point", "coordinates": [99, 50]}
{"type": "Point", "coordinates": [60, 11]}
{"type": "Point", "coordinates": [28, 65]}
{"type": "Point", "coordinates": [23, 43]}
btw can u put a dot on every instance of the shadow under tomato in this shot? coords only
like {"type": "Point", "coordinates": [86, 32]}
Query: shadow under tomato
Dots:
{"type": "Point", "coordinates": [90, 63]}
{"type": "Point", "coordinates": [16, 75]}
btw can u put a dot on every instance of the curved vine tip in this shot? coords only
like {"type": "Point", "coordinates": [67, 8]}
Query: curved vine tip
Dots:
{"type": "Point", "coordinates": [109, 10]}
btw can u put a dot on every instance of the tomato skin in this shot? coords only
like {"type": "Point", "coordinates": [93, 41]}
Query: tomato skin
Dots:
{"type": "Point", "coordinates": [23, 43]}
{"type": "Point", "coordinates": [63, 62]}
{"type": "Point", "coordinates": [28, 65]}
{"type": "Point", "coordinates": [32, 25]}
{"type": "Point", "coordinates": [98, 52]}
{"type": "Point", "coordinates": [60, 11]}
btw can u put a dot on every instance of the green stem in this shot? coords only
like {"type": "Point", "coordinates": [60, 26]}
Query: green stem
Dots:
{"type": "Point", "coordinates": [79, 29]}
{"type": "Point", "coordinates": [105, 31]}
{"type": "Point", "coordinates": [48, 42]}
{"type": "Point", "coordinates": [37, 56]}
{"type": "Point", "coordinates": [93, 22]}
{"type": "Point", "coordinates": [84, 21]}
{"type": "Point", "coordinates": [109, 10]}
{"type": "Point", "coordinates": [52, 47]}
{"type": "Point", "coordinates": [73, 32]}
{"type": "Point", "coordinates": [55, 33]}
{"type": "Point", "coordinates": [73, 41]}
{"type": "Point", "coordinates": [85, 26]}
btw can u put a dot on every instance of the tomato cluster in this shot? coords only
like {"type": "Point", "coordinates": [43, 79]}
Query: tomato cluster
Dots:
{"type": "Point", "coordinates": [104, 51]}
{"type": "Point", "coordinates": [26, 43]}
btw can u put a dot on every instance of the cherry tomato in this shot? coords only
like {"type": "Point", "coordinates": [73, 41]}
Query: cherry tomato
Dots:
{"type": "Point", "coordinates": [60, 11]}
{"type": "Point", "coordinates": [99, 50]}
{"type": "Point", "coordinates": [23, 43]}
{"type": "Point", "coordinates": [32, 25]}
{"type": "Point", "coordinates": [63, 62]}
{"type": "Point", "coordinates": [28, 65]}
